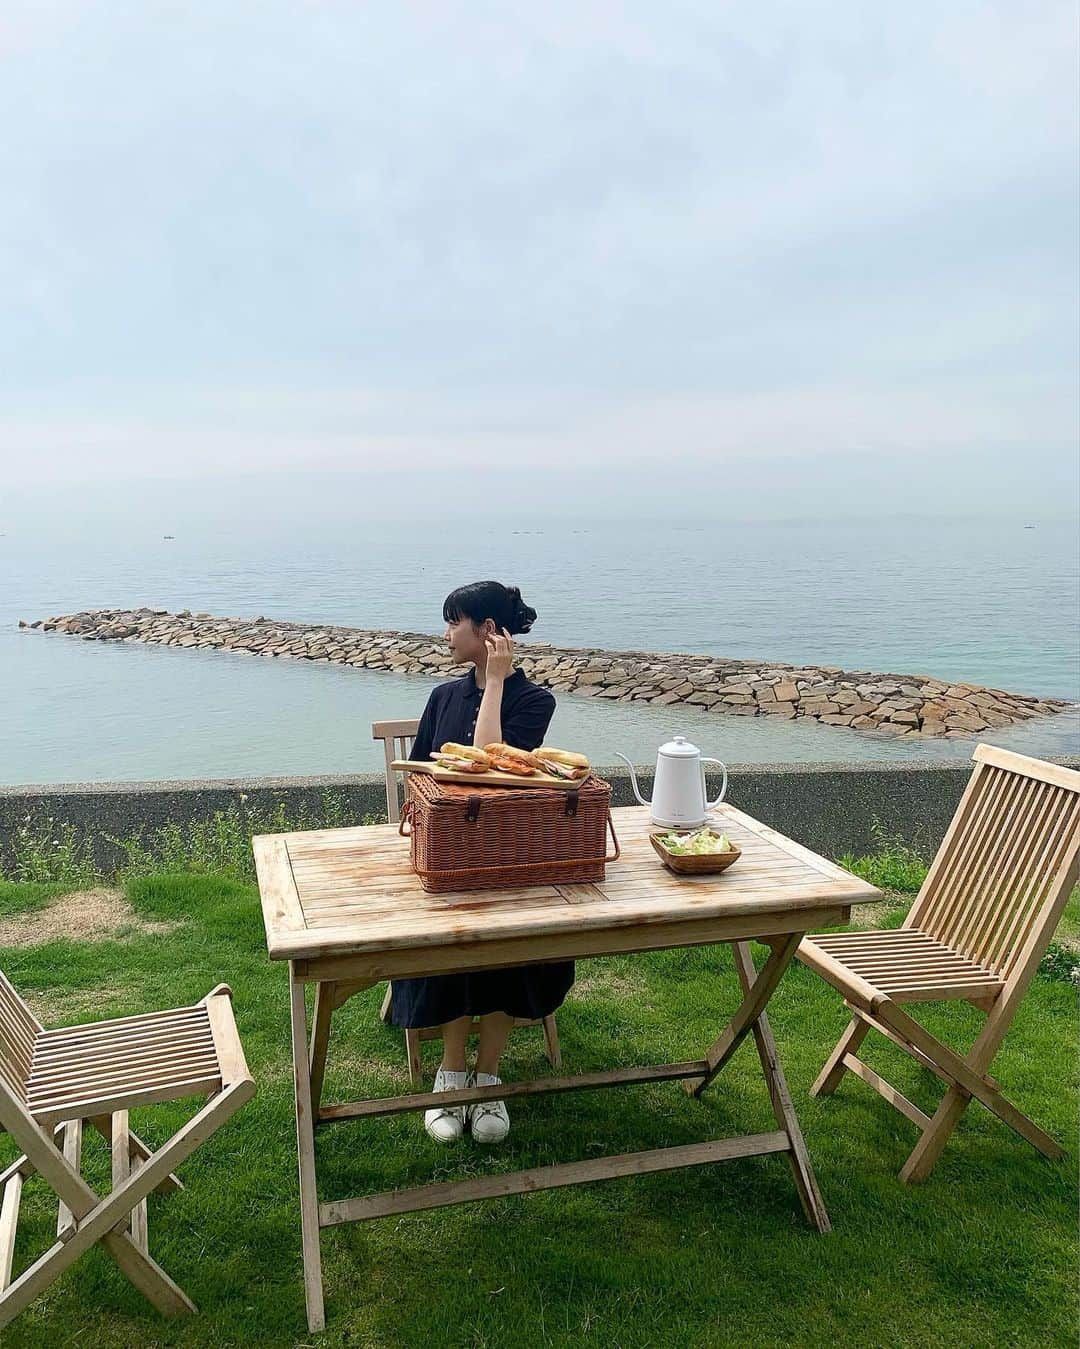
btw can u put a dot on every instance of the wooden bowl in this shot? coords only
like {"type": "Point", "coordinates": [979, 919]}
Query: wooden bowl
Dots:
{"type": "Point", "coordinates": [693, 864]}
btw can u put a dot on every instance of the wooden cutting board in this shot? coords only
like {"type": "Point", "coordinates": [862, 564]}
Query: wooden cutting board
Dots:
{"type": "Point", "coordinates": [488, 779]}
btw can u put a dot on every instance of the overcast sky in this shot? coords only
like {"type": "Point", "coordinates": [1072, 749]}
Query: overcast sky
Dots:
{"type": "Point", "coordinates": [818, 253]}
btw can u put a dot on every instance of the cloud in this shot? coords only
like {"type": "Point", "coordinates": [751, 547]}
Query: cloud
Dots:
{"type": "Point", "coordinates": [271, 235]}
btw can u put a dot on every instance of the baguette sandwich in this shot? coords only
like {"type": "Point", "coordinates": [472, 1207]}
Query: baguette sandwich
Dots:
{"type": "Point", "coordinates": [561, 763]}
{"type": "Point", "coordinates": [462, 758]}
{"type": "Point", "coordinates": [507, 759]}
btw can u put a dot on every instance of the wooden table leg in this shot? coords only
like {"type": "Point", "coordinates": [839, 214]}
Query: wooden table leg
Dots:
{"type": "Point", "coordinates": [325, 996]}
{"type": "Point", "coordinates": [748, 1011]}
{"type": "Point", "coordinates": [783, 1109]}
{"type": "Point", "coordinates": [305, 1147]}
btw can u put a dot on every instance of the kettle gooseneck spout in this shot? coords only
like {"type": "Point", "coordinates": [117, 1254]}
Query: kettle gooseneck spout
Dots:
{"type": "Point", "coordinates": [633, 778]}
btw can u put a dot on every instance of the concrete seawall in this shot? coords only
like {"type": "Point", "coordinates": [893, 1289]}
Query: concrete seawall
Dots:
{"type": "Point", "coordinates": [831, 808]}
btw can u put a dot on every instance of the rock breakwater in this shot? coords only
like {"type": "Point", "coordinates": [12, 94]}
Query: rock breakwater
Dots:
{"type": "Point", "coordinates": [913, 705]}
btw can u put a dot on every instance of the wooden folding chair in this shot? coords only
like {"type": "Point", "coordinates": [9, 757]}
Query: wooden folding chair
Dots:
{"type": "Point", "coordinates": [53, 1081]}
{"type": "Point", "coordinates": [397, 741]}
{"type": "Point", "coordinates": [977, 931]}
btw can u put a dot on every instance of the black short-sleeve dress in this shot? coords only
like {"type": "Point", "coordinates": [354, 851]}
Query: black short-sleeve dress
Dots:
{"type": "Point", "coordinates": [527, 990]}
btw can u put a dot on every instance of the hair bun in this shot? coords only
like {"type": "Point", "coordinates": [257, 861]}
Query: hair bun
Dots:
{"type": "Point", "coordinates": [524, 616]}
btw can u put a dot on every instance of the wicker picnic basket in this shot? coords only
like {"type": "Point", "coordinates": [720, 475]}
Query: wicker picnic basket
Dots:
{"type": "Point", "coordinates": [482, 838]}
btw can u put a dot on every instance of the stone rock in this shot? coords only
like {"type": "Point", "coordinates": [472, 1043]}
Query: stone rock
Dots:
{"type": "Point", "coordinates": [892, 703]}
{"type": "Point", "coordinates": [817, 707]}
{"type": "Point", "coordinates": [957, 721]}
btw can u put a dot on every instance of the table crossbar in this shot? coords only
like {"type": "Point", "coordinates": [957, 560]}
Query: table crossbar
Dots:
{"type": "Point", "coordinates": [550, 1177]}
{"type": "Point", "coordinates": [430, 1100]}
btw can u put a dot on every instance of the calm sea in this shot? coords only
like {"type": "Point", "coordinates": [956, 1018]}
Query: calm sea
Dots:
{"type": "Point", "coordinates": [992, 603]}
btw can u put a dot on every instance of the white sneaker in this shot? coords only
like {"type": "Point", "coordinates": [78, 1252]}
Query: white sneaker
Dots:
{"type": "Point", "coordinates": [488, 1120]}
{"type": "Point", "coordinates": [447, 1123]}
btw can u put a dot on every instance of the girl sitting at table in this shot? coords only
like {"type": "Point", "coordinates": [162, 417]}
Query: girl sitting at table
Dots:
{"type": "Point", "coordinates": [493, 702]}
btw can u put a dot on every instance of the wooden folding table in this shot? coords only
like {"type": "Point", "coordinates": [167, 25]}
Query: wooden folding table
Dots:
{"type": "Point", "coordinates": [345, 909]}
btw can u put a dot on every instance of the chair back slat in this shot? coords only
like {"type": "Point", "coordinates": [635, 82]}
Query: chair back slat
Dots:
{"type": "Point", "coordinates": [397, 741]}
{"type": "Point", "coordinates": [19, 1029]}
{"type": "Point", "coordinates": [1006, 861]}
{"type": "Point", "coordinates": [997, 860]}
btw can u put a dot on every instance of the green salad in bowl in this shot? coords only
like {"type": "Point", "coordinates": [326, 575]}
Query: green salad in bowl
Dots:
{"type": "Point", "coordinates": [703, 842]}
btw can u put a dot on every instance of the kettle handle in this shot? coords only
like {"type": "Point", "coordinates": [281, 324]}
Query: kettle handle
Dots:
{"type": "Point", "coordinates": [723, 782]}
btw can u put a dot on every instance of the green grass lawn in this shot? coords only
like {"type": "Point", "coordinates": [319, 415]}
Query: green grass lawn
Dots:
{"type": "Point", "coordinates": [985, 1253]}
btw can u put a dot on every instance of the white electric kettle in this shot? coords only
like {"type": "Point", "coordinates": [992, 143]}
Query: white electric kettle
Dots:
{"type": "Point", "coordinates": [679, 799]}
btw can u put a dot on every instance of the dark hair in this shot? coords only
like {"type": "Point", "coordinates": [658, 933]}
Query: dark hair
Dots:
{"type": "Point", "coordinates": [489, 599]}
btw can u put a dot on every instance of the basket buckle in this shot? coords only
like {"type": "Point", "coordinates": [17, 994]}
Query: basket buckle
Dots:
{"type": "Point", "coordinates": [472, 809]}
{"type": "Point", "coordinates": [572, 799]}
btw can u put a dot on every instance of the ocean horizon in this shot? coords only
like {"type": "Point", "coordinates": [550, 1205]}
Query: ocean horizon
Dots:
{"type": "Point", "coordinates": [993, 603]}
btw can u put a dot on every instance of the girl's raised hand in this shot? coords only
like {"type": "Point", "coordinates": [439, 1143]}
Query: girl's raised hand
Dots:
{"type": "Point", "coordinates": [500, 659]}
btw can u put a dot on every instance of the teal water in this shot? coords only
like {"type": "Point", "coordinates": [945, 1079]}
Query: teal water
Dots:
{"type": "Point", "coordinates": [992, 603]}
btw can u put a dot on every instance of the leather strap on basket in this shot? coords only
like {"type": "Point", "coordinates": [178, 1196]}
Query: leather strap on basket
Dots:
{"type": "Point", "coordinates": [406, 816]}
